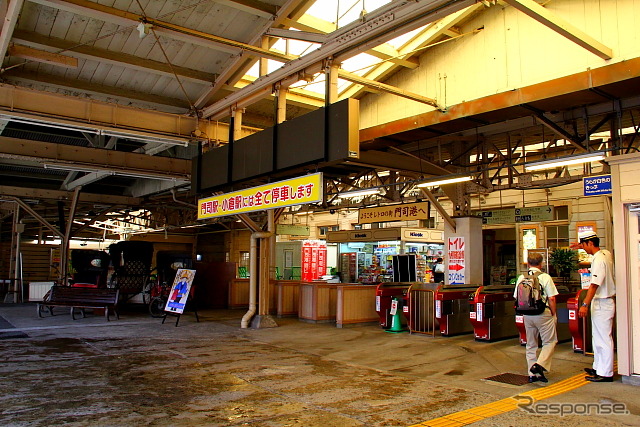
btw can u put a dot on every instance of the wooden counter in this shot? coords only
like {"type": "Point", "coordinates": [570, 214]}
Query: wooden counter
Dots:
{"type": "Point", "coordinates": [317, 302]}
{"type": "Point", "coordinates": [239, 294]}
{"type": "Point", "coordinates": [287, 297]}
{"type": "Point", "coordinates": [356, 304]}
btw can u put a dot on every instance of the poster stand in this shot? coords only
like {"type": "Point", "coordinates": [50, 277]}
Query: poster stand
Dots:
{"type": "Point", "coordinates": [180, 292]}
{"type": "Point", "coordinates": [177, 315]}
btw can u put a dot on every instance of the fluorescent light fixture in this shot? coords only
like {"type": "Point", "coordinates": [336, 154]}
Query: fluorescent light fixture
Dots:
{"type": "Point", "coordinates": [145, 137]}
{"type": "Point", "coordinates": [359, 193]}
{"type": "Point", "coordinates": [439, 182]}
{"type": "Point", "coordinates": [565, 161]}
{"type": "Point", "coordinates": [159, 176]}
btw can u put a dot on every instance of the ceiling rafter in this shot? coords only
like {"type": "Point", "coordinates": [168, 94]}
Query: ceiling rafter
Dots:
{"type": "Point", "coordinates": [561, 26]}
{"type": "Point", "coordinates": [39, 55]}
{"type": "Point", "coordinates": [319, 26]}
{"type": "Point", "coordinates": [124, 18]}
{"type": "Point", "coordinates": [147, 98]}
{"type": "Point", "coordinates": [345, 75]}
{"type": "Point", "coordinates": [424, 38]}
{"type": "Point", "coordinates": [292, 9]}
{"type": "Point", "coordinates": [36, 40]}
{"type": "Point", "coordinates": [379, 27]}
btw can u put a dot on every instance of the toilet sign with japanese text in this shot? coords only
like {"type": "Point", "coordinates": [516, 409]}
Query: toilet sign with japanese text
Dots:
{"type": "Point", "coordinates": [456, 265]}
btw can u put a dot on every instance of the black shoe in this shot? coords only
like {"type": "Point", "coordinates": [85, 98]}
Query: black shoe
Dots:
{"type": "Point", "coordinates": [537, 369]}
{"type": "Point", "coordinates": [591, 372]}
{"type": "Point", "coordinates": [542, 378]}
{"type": "Point", "coordinates": [599, 379]}
{"type": "Point", "coordinates": [533, 378]}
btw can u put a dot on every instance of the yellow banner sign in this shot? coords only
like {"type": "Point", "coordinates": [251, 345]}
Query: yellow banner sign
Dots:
{"type": "Point", "coordinates": [406, 212]}
{"type": "Point", "coordinates": [290, 192]}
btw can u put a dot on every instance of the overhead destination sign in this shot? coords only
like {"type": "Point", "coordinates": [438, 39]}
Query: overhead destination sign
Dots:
{"type": "Point", "coordinates": [404, 212]}
{"type": "Point", "coordinates": [513, 215]}
{"type": "Point", "coordinates": [296, 191]}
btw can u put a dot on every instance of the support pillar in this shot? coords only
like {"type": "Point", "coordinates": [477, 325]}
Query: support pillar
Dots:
{"type": "Point", "coordinates": [469, 228]}
{"type": "Point", "coordinates": [267, 270]}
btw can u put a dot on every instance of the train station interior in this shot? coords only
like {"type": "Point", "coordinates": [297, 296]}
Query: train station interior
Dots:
{"type": "Point", "coordinates": [235, 212]}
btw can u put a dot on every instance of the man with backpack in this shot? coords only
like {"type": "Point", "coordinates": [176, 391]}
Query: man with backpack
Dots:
{"type": "Point", "coordinates": [535, 295]}
{"type": "Point", "coordinates": [601, 300]}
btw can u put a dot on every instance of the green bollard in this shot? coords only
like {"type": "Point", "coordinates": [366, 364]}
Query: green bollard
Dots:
{"type": "Point", "coordinates": [396, 320]}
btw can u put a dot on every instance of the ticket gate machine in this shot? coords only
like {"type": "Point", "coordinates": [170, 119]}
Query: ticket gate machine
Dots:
{"type": "Point", "coordinates": [562, 314]}
{"type": "Point", "coordinates": [452, 308]}
{"type": "Point", "coordinates": [491, 311]}
{"type": "Point", "coordinates": [580, 328]}
{"type": "Point", "coordinates": [385, 292]}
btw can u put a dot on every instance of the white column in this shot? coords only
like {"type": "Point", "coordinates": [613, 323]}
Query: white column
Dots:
{"type": "Point", "coordinates": [470, 228]}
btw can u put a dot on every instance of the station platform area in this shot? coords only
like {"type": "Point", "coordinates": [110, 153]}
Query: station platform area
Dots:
{"type": "Point", "coordinates": [138, 371]}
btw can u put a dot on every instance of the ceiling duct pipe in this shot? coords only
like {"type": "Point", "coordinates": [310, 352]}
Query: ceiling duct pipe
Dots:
{"type": "Point", "coordinates": [253, 276]}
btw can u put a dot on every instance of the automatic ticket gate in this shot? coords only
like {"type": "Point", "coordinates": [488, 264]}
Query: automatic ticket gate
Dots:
{"type": "Point", "coordinates": [385, 293]}
{"type": "Point", "coordinates": [452, 308]}
{"type": "Point", "coordinates": [562, 314]}
{"type": "Point", "coordinates": [580, 328]}
{"type": "Point", "coordinates": [491, 312]}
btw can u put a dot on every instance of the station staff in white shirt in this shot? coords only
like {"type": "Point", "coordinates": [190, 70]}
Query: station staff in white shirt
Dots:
{"type": "Point", "coordinates": [601, 298]}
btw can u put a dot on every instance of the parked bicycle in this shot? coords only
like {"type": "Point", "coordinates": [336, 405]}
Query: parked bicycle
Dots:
{"type": "Point", "coordinates": [159, 295]}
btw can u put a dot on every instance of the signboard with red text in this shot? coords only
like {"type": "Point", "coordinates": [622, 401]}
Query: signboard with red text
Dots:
{"type": "Point", "coordinates": [290, 192]}
{"type": "Point", "coordinates": [456, 264]}
{"type": "Point", "coordinates": [314, 259]}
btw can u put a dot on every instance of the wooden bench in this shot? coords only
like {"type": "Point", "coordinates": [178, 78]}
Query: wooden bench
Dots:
{"type": "Point", "coordinates": [78, 297]}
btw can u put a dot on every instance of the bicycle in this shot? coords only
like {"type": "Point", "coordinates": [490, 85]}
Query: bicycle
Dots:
{"type": "Point", "coordinates": [159, 295]}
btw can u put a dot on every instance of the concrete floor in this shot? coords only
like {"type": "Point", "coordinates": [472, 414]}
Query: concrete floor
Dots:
{"type": "Point", "coordinates": [137, 371]}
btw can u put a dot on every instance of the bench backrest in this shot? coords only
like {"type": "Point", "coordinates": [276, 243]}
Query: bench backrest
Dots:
{"type": "Point", "coordinates": [84, 295]}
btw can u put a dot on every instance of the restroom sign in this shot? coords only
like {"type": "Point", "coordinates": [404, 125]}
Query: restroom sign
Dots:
{"type": "Point", "coordinates": [456, 265]}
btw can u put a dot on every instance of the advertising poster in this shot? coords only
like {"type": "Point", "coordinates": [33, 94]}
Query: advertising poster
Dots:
{"type": "Point", "coordinates": [180, 291]}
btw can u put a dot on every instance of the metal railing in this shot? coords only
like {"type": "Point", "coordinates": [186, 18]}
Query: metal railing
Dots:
{"type": "Point", "coordinates": [422, 314]}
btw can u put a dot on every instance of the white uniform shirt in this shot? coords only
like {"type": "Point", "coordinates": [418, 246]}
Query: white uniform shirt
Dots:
{"type": "Point", "coordinates": [602, 274]}
{"type": "Point", "coordinates": [546, 283]}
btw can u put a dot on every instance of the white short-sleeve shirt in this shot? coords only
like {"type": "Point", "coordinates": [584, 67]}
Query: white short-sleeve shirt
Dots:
{"type": "Point", "coordinates": [602, 274]}
{"type": "Point", "coordinates": [546, 283]}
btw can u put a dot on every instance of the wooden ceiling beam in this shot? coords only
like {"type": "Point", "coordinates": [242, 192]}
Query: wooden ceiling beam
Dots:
{"type": "Point", "coordinates": [43, 56]}
{"type": "Point", "coordinates": [128, 19]}
{"type": "Point", "coordinates": [89, 87]}
{"type": "Point", "coordinates": [36, 40]}
{"type": "Point", "coordinates": [95, 159]}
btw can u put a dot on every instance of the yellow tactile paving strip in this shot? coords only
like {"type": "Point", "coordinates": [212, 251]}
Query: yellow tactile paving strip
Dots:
{"type": "Point", "coordinates": [469, 416]}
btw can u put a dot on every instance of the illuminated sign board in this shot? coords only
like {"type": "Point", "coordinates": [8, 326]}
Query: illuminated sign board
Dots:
{"type": "Point", "coordinates": [290, 192]}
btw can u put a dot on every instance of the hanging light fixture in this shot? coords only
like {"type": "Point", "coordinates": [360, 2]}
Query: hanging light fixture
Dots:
{"type": "Point", "coordinates": [565, 161]}
{"type": "Point", "coordinates": [359, 193]}
{"type": "Point", "coordinates": [443, 181]}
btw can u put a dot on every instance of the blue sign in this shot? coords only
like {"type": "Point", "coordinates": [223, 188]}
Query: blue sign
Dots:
{"type": "Point", "coordinates": [597, 185]}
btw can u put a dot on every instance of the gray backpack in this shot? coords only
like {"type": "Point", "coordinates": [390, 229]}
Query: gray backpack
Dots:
{"type": "Point", "coordinates": [529, 295]}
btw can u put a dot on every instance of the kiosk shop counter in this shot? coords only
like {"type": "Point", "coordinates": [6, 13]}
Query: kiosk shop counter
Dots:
{"type": "Point", "coordinates": [366, 255]}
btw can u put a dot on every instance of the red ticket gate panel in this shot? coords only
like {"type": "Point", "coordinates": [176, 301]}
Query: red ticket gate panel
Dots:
{"type": "Point", "coordinates": [452, 308]}
{"type": "Point", "coordinates": [385, 292]}
{"type": "Point", "coordinates": [562, 314]}
{"type": "Point", "coordinates": [580, 328]}
{"type": "Point", "coordinates": [491, 313]}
